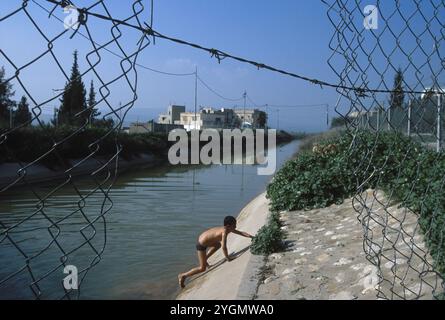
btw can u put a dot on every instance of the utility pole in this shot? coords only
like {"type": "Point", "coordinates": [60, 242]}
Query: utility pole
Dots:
{"type": "Point", "coordinates": [378, 117]}
{"type": "Point", "coordinates": [327, 116]}
{"type": "Point", "coordinates": [10, 117]}
{"type": "Point", "coordinates": [367, 119]}
{"type": "Point", "coordinates": [278, 120]}
{"type": "Point", "coordinates": [244, 96]}
{"type": "Point", "coordinates": [196, 94]}
{"type": "Point", "coordinates": [56, 110]}
{"type": "Point", "coordinates": [120, 114]}
{"type": "Point", "coordinates": [56, 117]}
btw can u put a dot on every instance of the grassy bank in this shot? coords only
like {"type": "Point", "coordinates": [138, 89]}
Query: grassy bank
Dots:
{"type": "Point", "coordinates": [28, 144]}
{"type": "Point", "coordinates": [330, 172]}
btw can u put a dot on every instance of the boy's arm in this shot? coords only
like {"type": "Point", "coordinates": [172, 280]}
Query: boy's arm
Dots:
{"type": "Point", "coordinates": [224, 246]}
{"type": "Point", "coordinates": [242, 233]}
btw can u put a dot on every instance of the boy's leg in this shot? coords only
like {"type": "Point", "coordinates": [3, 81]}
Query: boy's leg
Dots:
{"type": "Point", "coordinates": [202, 257]}
{"type": "Point", "coordinates": [212, 251]}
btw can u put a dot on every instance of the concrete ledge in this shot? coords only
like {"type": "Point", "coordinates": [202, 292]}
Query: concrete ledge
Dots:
{"type": "Point", "coordinates": [250, 280]}
{"type": "Point", "coordinates": [38, 173]}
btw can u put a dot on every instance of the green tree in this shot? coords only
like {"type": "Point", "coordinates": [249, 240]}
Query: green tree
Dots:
{"type": "Point", "coordinates": [73, 99]}
{"type": "Point", "coordinates": [105, 123]}
{"type": "Point", "coordinates": [22, 115]}
{"type": "Point", "coordinates": [339, 122]}
{"type": "Point", "coordinates": [262, 119]}
{"type": "Point", "coordinates": [397, 97]}
{"type": "Point", "coordinates": [94, 112]}
{"type": "Point", "coordinates": [55, 118]}
{"type": "Point", "coordinates": [5, 99]}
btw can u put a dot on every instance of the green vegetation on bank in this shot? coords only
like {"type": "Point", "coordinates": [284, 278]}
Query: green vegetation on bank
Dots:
{"type": "Point", "coordinates": [390, 161]}
{"type": "Point", "coordinates": [30, 143]}
{"type": "Point", "coordinates": [269, 237]}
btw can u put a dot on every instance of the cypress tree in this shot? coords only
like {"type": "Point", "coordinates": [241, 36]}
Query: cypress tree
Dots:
{"type": "Point", "coordinates": [73, 99]}
{"type": "Point", "coordinates": [5, 99]}
{"type": "Point", "coordinates": [94, 112]}
{"type": "Point", "coordinates": [397, 97]}
{"type": "Point", "coordinates": [22, 115]}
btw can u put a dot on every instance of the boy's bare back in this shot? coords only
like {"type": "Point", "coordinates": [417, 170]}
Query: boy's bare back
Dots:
{"type": "Point", "coordinates": [212, 237]}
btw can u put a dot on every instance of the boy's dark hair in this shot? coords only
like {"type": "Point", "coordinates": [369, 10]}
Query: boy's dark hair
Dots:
{"type": "Point", "coordinates": [229, 221]}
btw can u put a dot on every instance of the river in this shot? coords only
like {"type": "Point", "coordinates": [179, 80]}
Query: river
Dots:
{"type": "Point", "coordinates": [151, 229]}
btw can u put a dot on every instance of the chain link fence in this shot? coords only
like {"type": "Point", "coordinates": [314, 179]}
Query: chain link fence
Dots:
{"type": "Point", "coordinates": [45, 238]}
{"type": "Point", "coordinates": [389, 60]}
{"type": "Point", "coordinates": [397, 46]}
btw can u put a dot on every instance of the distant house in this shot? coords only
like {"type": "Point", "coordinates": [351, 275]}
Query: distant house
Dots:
{"type": "Point", "coordinates": [432, 91]}
{"type": "Point", "coordinates": [191, 121]}
{"type": "Point", "coordinates": [173, 115]}
{"type": "Point", "coordinates": [356, 114]}
{"type": "Point", "coordinates": [208, 118]}
{"type": "Point", "coordinates": [153, 127]}
{"type": "Point", "coordinates": [249, 118]}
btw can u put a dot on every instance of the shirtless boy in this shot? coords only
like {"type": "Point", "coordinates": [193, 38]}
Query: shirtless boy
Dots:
{"type": "Point", "coordinates": [214, 239]}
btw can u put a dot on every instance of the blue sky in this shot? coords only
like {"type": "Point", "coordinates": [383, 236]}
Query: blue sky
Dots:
{"type": "Point", "coordinates": [287, 34]}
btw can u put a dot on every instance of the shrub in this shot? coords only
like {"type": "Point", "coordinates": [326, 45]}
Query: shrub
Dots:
{"type": "Point", "coordinates": [335, 168]}
{"type": "Point", "coordinates": [269, 238]}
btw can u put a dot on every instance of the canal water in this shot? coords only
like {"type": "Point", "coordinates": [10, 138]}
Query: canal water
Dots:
{"type": "Point", "coordinates": [151, 229]}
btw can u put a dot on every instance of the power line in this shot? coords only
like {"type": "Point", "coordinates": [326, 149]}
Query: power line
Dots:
{"type": "Point", "coordinates": [114, 53]}
{"type": "Point", "coordinates": [51, 13]}
{"type": "Point", "coordinates": [298, 106]}
{"type": "Point", "coordinates": [221, 55]}
{"type": "Point", "coordinates": [286, 106]}
{"type": "Point", "coordinates": [252, 102]}
{"type": "Point", "coordinates": [143, 66]}
{"type": "Point", "coordinates": [216, 93]}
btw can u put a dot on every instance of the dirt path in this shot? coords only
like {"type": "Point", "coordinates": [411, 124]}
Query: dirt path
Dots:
{"type": "Point", "coordinates": [325, 258]}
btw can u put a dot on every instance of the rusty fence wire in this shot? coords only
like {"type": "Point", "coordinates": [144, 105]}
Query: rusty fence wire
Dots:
{"type": "Point", "coordinates": [389, 61]}
{"type": "Point", "coordinates": [66, 230]}
{"type": "Point", "coordinates": [397, 46]}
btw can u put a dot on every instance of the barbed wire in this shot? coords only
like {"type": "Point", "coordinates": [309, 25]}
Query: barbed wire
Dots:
{"type": "Point", "coordinates": [221, 55]}
{"type": "Point", "coordinates": [204, 83]}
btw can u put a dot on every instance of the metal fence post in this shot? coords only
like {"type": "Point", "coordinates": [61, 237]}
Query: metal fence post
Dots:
{"type": "Point", "coordinates": [389, 118]}
{"type": "Point", "coordinates": [378, 118]}
{"type": "Point", "coordinates": [409, 119]}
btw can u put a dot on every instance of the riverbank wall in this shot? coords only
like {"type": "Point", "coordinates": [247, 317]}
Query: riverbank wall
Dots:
{"type": "Point", "coordinates": [20, 174]}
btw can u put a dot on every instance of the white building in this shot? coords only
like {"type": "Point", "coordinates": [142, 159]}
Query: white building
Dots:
{"type": "Point", "coordinates": [172, 116]}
